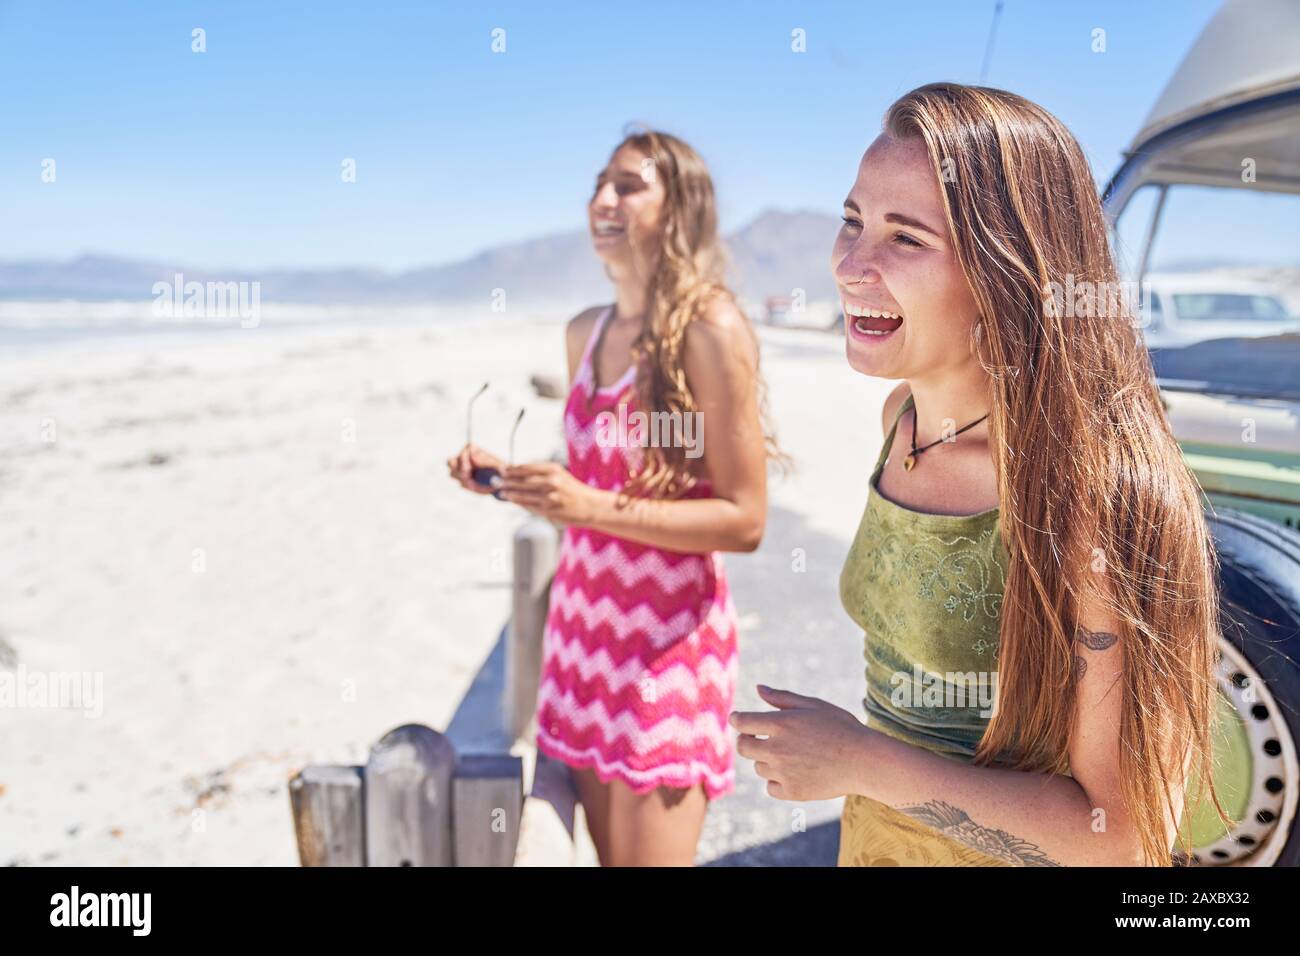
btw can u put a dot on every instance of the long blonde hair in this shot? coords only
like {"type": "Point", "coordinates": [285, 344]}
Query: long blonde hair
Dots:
{"type": "Point", "coordinates": [1090, 477]}
{"type": "Point", "coordinates": [689, 276]}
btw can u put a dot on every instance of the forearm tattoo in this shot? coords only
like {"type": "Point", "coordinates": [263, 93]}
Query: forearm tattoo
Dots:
{"type": "Point", "coordinates": [956, 825]}
{"type": "Point", "coordinates": [1094, 641]}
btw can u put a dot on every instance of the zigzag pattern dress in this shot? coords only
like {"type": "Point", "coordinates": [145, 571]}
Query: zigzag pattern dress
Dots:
{"type": "Point", "coordinates": [639, 657]}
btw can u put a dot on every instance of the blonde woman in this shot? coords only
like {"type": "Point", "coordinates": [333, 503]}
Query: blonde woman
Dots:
{"type": "Point", "coordinates": [640, 649]}
{"type": "Point", "coordinates": [1032, 570]}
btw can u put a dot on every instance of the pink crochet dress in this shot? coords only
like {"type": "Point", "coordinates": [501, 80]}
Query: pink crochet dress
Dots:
{"type": "Point", "coordinates": [639, 656]}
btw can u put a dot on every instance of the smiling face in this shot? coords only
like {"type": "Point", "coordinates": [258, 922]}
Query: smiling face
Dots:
{"type": "Point", "coordinates": [908, 309]}
{"type": "Point", "coordinates": [625, 214]}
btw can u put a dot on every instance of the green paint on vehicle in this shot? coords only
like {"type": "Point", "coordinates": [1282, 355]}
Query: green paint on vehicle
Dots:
{"type": "Point", "coordinates": [1247, 477]}
{"type": "Point", "coordinates": [1233, 773]}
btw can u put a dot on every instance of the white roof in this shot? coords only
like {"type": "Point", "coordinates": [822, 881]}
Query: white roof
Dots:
{"type": "Point", "coordinates": [1251, 48]}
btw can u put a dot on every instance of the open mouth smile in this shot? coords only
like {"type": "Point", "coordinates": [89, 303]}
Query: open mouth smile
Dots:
{"type": "Point", "coordinates": [607, 229]}
{"type": "Point", "coordinates": [870, 324]}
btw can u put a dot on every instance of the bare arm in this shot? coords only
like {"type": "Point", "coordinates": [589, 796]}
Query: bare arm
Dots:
{"type": "Point", "coordinates": [1030, 819]}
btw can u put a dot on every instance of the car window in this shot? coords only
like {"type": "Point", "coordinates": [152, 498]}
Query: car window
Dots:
{"type": "Point", "coordinates": [1225, 265]}
{"type": "Point", "coordinates": [1221, 306]}
{"type": "Point", "coordinates": [1154, 310]}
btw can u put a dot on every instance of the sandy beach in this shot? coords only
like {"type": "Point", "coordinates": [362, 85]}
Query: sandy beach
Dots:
{"type": "Point", "coordinates": [248, 535]}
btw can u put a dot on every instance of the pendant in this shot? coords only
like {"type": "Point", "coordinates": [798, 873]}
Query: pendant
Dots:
{"type": "Point", "coordinates": [909, 462]}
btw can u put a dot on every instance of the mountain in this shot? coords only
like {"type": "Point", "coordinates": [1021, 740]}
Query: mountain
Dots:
{"type": "Point", "coordinates": [773, 255]}
{"type": "Point", "coordinates": [782, 251]}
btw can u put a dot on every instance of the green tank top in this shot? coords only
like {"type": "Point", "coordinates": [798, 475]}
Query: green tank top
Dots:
{"type": "Point", "coordinates": [927, 590]}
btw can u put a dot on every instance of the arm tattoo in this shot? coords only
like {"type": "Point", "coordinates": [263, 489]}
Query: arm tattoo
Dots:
{"type": "Point", "coordinates": [1094, 641]}
{"type": "Point", "coordinates": [999, 844]}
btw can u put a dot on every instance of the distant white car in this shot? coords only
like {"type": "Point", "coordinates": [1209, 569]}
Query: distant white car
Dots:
{"type": "Point", "coordinates": [1185, 308]}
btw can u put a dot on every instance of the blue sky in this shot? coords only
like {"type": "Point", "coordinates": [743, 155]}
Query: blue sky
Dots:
{"type": "Point", "coordinates": [232, 157]}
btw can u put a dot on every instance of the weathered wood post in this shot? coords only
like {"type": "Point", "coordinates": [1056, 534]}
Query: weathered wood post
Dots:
{"type": "Point", "coordinates": [409, 798]}
{"type": "Point", "coordinates": [536, 544]}
{"type": "Point", "coordinates": [489, 804]}
{"type": "Point", "coordinates": [329, 815]}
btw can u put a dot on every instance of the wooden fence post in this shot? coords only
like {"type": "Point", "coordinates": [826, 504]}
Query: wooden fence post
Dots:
{"type": "Point", "coordinates": [536, 544]}
{"type": "Point", "coordinates": [329, 815]}
{"type": "Point", "coordinates": [409, 798]}
{"type": "Point", "coordinates": [489, 804]}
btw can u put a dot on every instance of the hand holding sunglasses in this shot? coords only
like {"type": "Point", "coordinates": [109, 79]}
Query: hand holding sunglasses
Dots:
{"type": "Point", "coordinates": [477, 470]}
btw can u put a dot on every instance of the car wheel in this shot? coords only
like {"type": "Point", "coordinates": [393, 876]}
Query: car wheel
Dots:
{"type": "Point", "coordinates": [1255, 760]}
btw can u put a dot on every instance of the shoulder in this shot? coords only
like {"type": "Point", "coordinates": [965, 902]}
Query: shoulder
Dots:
{"type": "Point", "coordinates": [579, 327]}
{"type": "Point", "coordinates": [719, 331]}
{"type": "Point", "coordinates": [892, 404]}
{"type": "Point", "coordinates": [576, 333]}
{"type": "Point", "coordinates": [721, 312]}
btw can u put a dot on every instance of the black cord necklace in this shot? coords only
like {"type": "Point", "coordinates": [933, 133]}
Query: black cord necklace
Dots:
{"type": "Point", "coordinates": [910, 461]}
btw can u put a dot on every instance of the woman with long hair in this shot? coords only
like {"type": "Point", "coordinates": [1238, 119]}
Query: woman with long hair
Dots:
{"type": "Point", "coordinates": [1032, 571]}
{"type": "Point", "coordinates": [640, 647]}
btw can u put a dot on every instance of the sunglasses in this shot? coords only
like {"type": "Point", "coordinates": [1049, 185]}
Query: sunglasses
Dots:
{"type": "Point", "coordinates": [483, 475]}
